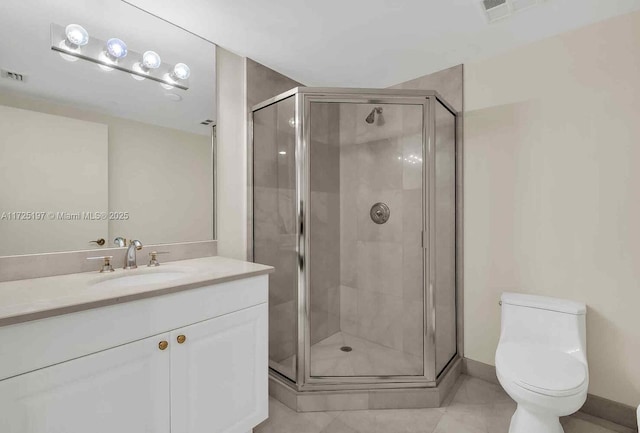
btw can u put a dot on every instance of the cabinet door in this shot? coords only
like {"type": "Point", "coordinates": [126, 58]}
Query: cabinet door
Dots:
{"type": "Point", "coordinates": [123, 390]}
{"type": "Point", "coordinates": [219, 374]}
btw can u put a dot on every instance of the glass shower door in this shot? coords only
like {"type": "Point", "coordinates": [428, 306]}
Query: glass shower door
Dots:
{"type": "Point", "coordinates": [274, 228]}
{"type": "Point", "coordinates": [365, 257]}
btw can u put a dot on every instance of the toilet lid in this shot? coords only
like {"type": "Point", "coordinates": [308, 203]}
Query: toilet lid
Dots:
{"type": "Point", "coordinates": [539, 369]}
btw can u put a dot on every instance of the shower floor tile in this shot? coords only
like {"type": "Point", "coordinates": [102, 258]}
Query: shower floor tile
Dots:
{"type": "Point", "coordinates": [366, 358]}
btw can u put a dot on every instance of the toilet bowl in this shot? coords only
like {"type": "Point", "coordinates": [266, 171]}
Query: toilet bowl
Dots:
{"type": "Point", "coordinates": [541, 360]}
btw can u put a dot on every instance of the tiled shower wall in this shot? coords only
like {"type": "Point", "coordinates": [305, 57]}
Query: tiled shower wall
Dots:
{"type": "Point", "coordinates": [324, 260]}
{"type": "Point", "coordinates": [381, 296]}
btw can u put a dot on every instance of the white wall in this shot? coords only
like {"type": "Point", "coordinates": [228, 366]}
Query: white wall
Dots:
{"type": "Point", "coordinates": [552, 204]}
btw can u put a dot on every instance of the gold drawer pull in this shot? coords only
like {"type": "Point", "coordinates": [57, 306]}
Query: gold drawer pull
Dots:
{"type": "Point", "coordinates": [181, 339]}
{"type": "Point", "coordinates": [163, 345]}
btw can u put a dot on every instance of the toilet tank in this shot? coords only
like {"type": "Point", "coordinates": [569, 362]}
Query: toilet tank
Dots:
{"type": "Point", "coordinates": [554, 323]}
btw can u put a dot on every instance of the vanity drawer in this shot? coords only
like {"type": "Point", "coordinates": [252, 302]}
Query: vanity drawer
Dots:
{"type": "Point", "coordinates": [32, 345]}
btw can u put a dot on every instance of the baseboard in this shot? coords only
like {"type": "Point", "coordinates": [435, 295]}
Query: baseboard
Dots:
{"type": "Point", "coordinates": [595, 406]}
{"type": "Point", "coordinates": [610, 410]}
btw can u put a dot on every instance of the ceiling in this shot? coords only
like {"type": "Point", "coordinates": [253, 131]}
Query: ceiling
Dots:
{"type": "Point", "coordinates": [25, 48]}
{"type": "Point", "coordinates": [372, 43]}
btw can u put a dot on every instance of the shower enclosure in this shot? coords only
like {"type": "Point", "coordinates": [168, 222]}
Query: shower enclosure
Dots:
{"type": "Point", "coordinates": [353, 201]}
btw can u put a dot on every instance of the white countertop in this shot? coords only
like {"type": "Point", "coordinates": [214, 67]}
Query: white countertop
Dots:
{"type": "Point", "coordinates": [37, 298]}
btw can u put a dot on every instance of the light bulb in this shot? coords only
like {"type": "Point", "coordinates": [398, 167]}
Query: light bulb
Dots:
{"type": "Point", "coordinates": [76, 35]}
{"type": "Point", "coordinates": [151, 60]}
{"type": "Point", "coordinates": [116, 48]}
{"type": "Point", "coordinates": [180, 72]}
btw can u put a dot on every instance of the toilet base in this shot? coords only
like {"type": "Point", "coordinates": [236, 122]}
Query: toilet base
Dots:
{"type": "Point", "coordinates": [527, 421]}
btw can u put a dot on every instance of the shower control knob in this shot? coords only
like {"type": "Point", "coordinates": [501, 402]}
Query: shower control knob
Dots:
{"type": "Point", "coordinates": [380, 213]}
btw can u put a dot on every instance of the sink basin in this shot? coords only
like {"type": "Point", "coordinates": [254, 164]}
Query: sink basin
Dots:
{"type": "Point", "coordinates": [138, 279]}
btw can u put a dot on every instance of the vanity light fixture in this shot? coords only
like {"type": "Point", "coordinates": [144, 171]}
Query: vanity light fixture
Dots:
{"type": "Point", "coordinates": [75, 37]}
{"type": "Point", "coordinates": [150, 60]}
{"type": "Point", "coordinates": [180, 72]}
{"type": "Point", "coordinates": [116, 49]}
{"type": "Point", "coordinates": [73, 42]}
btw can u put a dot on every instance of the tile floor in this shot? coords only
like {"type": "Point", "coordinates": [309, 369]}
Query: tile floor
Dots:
{"type": "Point", "coordinates": [475, 406]}
{"type": "Point", "coordinates": [366, 359]}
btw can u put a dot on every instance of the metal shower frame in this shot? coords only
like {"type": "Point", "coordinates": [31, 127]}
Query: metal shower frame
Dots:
{"type": "Point", "coordinates": [304, 97]}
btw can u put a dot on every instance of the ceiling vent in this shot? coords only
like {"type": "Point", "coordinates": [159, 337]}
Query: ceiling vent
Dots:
{"type": "Point", "coordinates": [13, 76]}
{"type": "Point", "coordinates": [495, 10]}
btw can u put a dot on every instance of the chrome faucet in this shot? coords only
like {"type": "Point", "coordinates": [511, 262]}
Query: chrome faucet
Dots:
{"type": "Point", "coordinates": [130, 261]}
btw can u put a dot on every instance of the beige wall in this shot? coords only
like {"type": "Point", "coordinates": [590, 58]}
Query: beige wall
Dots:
{"type": "Point", "coordinates": [161, 176]}
{"type": "Point", "coordinates": [164, 178]}
{"type": "Point", "coordinates": [551, 191]}
{"type": "Point", "coordinates": [36, 152]}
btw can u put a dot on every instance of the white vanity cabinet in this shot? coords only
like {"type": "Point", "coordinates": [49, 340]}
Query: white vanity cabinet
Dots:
{"type": "Point", "coordinates": [194, 361]}
{"type": "Point", "coordinates": [124, 389]}
{"type": "Point", "coordinates": [219, 374]}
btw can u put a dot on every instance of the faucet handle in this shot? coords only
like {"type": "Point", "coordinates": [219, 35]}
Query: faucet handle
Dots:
{"type": "Point", "coordinates": [153, 260]}
{"type": "Point", "coordinates": [120, 242]}
{"type": "Point", "coordinates": [106, 265]}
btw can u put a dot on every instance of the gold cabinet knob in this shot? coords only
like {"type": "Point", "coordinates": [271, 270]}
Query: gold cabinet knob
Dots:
{"type": "Point", "coordinates": [181, 339]}
{"type": "Point", "coordinates": [163, 345]}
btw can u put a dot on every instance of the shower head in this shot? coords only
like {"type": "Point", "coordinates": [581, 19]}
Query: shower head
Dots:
{"type": "Point", "coordinates": [372, 116]}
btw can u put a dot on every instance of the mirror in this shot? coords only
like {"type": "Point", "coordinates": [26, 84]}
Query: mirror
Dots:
{"type": "Point", "coordinates": [93, 146]}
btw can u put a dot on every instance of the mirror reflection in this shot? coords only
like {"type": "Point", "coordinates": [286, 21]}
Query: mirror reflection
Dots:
{"type": "Point", "coordinates": [107, 123]}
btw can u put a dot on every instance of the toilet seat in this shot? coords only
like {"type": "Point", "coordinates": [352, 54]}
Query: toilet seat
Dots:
{"type": "Point", "coordinates": [541, 370]}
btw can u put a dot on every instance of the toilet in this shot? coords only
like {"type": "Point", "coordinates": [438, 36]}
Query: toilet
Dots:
{"type": "Point", "coordinates": [541, 360]}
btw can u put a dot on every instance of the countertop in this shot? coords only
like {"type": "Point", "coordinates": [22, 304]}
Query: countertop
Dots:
{"type": "Point", "coordinates": [38, 298]}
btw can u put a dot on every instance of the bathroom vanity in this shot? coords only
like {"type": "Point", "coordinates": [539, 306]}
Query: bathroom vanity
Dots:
{"type": "Point", "coordinates": [181, 347]}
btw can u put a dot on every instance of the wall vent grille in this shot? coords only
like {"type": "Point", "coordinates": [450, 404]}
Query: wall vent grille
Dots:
{"type": "Point", "coordinates": [13, 76]}
{"type": "Point", "coordinates": [495, 10]}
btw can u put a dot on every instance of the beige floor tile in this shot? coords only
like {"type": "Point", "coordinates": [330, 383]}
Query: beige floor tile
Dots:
{"type": "Point", "coordinates": [392, 421]}
{"type": "Point", "coordinates": [338, 426]}
{"type": "Point", "coordinates": [575, 425]}
{"type": "Point", "coordinates": [500, 417]}
{"type": "Point", "coordinates": [477, 391]}
{"type": "Point", "coordinates": [284, 420]}
{"type": "Point", "coordinates": [467, 417]}
{"type": "Point", "coordinates": [477, 407]}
